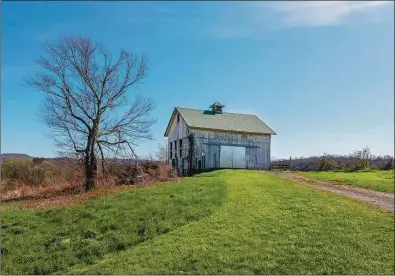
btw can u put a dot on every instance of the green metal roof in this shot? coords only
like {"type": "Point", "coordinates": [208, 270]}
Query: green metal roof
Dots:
{"type": "Point", "coordinates": [233, 122]}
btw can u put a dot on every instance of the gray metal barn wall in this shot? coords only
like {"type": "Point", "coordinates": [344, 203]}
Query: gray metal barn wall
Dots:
{"type": "Point", "coordinates": [257, 147]}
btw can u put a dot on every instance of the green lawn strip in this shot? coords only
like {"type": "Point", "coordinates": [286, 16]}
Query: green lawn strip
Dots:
{"type": "Point", "coordinates": [267, 226]}
{"type": "Point", "coordinates": [382, 181]}
{"type": "Point", "coordinates": [51, 241]}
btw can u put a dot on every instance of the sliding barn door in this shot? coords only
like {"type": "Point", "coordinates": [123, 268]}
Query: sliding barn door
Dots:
{"type": "Point", "coordinates": [232, 157]}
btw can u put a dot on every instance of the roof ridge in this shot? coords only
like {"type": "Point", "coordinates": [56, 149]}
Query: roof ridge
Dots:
{"type": "Point", "coordinates": [222, 112]}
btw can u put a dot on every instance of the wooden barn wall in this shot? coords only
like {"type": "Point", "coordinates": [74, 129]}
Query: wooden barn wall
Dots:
{"type": "Point", "coordinates": [208, 142]}
{"type": "Point", "coordinates": [178, 130]}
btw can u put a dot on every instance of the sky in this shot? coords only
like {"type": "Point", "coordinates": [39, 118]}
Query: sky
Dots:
{"type": "Point", "coordinates": [320, 74]}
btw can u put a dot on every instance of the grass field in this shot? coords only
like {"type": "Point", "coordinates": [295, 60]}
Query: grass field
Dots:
{"type": "Point", "coordinates": [223, 222]}
{"type": "Point", "coordinates": [382, 181]}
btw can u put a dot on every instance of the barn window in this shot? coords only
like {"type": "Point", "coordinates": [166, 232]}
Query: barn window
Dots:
{"type": "Point", "coordinates": [180, 147]}
{"type": "Point", "coordinates": [178, 117]}
{"type": "Point", "coordinates": [196, 160]}
{"type": "Point", "coordinates": [175, 147]}
{"type": "Point", "coordinates": [171, 150]}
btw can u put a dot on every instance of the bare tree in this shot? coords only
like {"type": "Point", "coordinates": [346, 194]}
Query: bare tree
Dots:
{"type": "Point", "coordinates": [364, 156]}
{"type": "Point", "coordinates": [161, 153]}
{"type": "Point", "coordinates": [86, 105]}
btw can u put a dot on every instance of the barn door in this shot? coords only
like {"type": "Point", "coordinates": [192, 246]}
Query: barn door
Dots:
{"type": "Point", "coordinates": [225, 157]}
{"type": "Point", "coordinates": [239, 157]}
{"type": "Point", "coordinates": [232, 157]}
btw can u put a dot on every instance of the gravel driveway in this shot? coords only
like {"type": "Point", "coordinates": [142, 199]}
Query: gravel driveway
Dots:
{"type": "Point", "coordinates": [379, 199]}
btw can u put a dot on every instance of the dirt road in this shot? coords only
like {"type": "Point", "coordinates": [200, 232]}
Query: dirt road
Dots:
{"type": "Point", "coordinates": [379, 199]}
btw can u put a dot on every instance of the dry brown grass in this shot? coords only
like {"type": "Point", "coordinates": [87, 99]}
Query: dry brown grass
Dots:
{"type": "Point", "coordinates": [79, 198]}
{"type": "Point", "coordinates": [63, 188]}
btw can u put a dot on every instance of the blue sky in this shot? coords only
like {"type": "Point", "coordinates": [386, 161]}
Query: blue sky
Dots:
{"type": "Point", "coordinates": [321, 74]}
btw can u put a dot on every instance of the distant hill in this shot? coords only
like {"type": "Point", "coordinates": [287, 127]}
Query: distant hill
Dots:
{"type": "Point", "coordinates": [5, 156]}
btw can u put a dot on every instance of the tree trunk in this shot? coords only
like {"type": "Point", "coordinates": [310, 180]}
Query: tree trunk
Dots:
{"type": "Point", "coordinates": [103, 162]}
{"type": "Point", "coordinates": [90, 171]}
{"type": "Point", "coordinates": [90, 163]}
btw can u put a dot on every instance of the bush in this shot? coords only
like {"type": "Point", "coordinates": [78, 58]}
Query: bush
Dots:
{"type": "Point", "coordinates": [126, 174]}
{"type": "Point", "coordinates": [38, 171]}
{"type": "Point", "coordinates": [149, 165]}
{"type": "Point", "coordinates": [160, 171]}
{"type": "Point", "coordinates": [327, 164]}
{"type": "Point", "coordinates": [41, 177]}
{"type": "Point", "coordinates": [38, 161]}
{"type": "Point", "coordinates": [23, 178]}
{"type": "Point", "coordinates": [24, 171]}
{"type": "Point", "coordinates": [383, 163]}
{"type": "Point", "coordinates": [359, 160]}
{"type": "Point", "coordinates": [143, 171]}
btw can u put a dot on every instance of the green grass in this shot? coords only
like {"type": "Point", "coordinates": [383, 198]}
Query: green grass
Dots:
{"type": "Point", "coordinates": [382, 181]}
{"type": "Point", "coordinates": [223, 222]}
{"type": "Point", "coordinates": [51, 241]}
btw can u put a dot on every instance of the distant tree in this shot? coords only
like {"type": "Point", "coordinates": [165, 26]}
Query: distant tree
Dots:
{"type": "Point", "coordinates": [86, 105]}
{"type": "Point", "coordinates": [161, 153]}
{"type": "Point", "coordinates": [364, 156]}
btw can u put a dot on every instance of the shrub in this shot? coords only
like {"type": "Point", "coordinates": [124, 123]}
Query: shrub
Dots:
{"type": "Point", "coordinates": [160, 171]}
{"type": "Point", "coordinates": [148, 165]}
{"type": "Point", "coordinates": [126, 174]}
{"type": "Point", "coordinates": [38, 161]}
{"type": "Point", "coordinates": [383, 163]}
{"type": "Point", "coordinates": [359, 160]}
{"type": "Point", "coordinates": [41, 178]}
{"type": "Point", "coordinates": [327, 163]}
{"type": "Point", "coordinates": [143, 171]}
{"type": "Point", "coordinates": [37, 178]}
{"type": "Point", "coordinates": [24, 171]}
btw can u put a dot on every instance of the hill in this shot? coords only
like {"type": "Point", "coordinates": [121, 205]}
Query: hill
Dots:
{"type": "Point", "coordinates": [5, 156]}
{"type": "Point", "coordinates": [222, 222]}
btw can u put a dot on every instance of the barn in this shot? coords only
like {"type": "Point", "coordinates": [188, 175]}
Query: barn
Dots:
{"type": "Point", "coordinates": [200, 140]}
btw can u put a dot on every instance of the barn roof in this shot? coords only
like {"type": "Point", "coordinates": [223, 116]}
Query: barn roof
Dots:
{"type": "Point", "coordinates": [231, 122]}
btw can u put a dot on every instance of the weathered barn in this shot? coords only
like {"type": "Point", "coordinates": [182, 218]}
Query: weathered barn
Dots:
{"type": "Point", "coordinates": [200, 140]}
